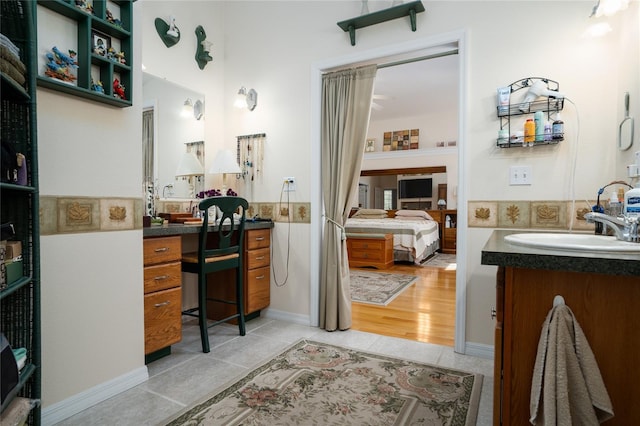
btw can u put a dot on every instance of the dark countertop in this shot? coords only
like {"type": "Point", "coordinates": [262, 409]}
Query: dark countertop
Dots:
{"type": "Point", "coordinates": [498, 252]}
{"type": "Point", "coordinates": [180, 229]}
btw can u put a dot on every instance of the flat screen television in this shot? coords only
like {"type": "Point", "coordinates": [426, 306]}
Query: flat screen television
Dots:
{"type": "Point", "coordinates": [415, 188]}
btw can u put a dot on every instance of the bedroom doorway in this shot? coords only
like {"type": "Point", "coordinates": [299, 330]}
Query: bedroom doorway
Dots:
{"type": "Point", "coordinates": [413, 49]}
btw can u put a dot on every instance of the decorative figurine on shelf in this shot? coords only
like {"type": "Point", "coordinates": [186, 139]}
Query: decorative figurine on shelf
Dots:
{"type": "Point", "coordinates": [60, 66]}
{"type": "Point", "coordinates": [115, 21]}
{"type": "Point", "coordinates": [118, 90]}
{"type": "Point", "coordinates": [62, 58]}
{"type": "Point", "coordinates": [119, 57]}
{"type": "Point", "coordinates": [111, 54]}
{"type": "Point", "coordinates": [97, 87]}
{"type": "Point", "coordinates": [84, 5]}
{"type": "Point", "coordinates": [100, 48]}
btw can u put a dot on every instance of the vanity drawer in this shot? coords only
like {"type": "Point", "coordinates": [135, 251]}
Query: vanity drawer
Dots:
{"type": "Point", "coordinates": [162, 277]}
{"type": "Point", "coordinates": [257, 258]}
{"type": "Point", "coordinates": [257, 238]}
{"type": "Point", "coordinates": [162, 319]}
{"type": "Point", "coordinates": [162, 249]}
{"type": "Point", "coordinates": [257, 289]}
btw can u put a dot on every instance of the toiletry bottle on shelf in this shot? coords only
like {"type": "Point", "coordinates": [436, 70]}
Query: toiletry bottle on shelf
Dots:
{"type": "Point", "coordinates": [547, 131]}
{"type": "Point", "coordinates": [557, 129]}
{"type": "Point", "coordinates": [538, 119]}
{"type": "Point", "coordinates": [529, 132]}
{"type": "Point", "coordinates": [632, 202]}
{"type": "Point", "coordinates": [615, 207]}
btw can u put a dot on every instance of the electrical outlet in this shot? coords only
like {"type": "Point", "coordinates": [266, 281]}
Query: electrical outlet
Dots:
{"type": "Point", "coordinates": [289, 184]}
{"type": "Point", "coordinates": [520, 175]}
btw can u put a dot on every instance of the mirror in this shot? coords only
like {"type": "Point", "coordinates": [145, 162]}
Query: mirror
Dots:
{"type": "Point", "coordinates": [174, 130]}
{"type": "Point", "coordinates": [378, 189]}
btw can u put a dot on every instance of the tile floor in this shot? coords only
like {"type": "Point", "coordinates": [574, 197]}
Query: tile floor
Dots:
{"type": "Point", "coordinates": [188, 375]}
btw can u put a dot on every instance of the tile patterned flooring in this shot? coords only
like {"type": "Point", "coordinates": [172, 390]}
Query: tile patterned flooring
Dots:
{"type": "Point", "coordinates": [188, 375]}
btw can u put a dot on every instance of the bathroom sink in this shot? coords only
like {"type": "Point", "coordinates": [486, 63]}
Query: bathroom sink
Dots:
{"type": "Point", "coordinates": [575, 242]}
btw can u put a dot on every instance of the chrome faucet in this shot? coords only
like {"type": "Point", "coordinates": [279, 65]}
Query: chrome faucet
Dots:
{"type": "Point", "coordinates": [625, 228]}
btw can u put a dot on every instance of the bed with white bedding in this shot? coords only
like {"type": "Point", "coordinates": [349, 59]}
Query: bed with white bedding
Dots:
{"type": "Point", "coordinates": [414, 238]}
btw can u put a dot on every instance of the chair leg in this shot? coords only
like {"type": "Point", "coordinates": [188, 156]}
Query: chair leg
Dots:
{"type": "Point", "coordinates": [202, 312]}
{"type": "Point", "coordinates": [240, 301]}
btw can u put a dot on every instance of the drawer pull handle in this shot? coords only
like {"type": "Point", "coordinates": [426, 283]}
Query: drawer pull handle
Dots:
{"type": "Point", "coordinates": [161, 249]}
{"type": "Point", "coordinates": [160, 305]}
{"type": "Point", "coordinates": [259, 257]}
{"type": "Point", "coordinates": [161, 277]}
{"type": "Point", "coordinates": [259, 238]}
{"type": "Point", "coordinates": [260, 277]}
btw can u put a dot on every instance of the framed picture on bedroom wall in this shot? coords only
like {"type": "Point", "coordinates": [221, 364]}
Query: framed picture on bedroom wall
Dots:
{"type": "Point", "coordinates": [401, 140]}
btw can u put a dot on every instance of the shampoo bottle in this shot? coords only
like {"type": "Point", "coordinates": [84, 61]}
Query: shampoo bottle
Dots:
{"type": "Point", "coordinates": [538, 118]}
{"type": "Point", "coordinates": [632, 202]}
{"type": "Point", "coordinates": [529, 132]}
{"type": "Point", "coordinates": [557, 128]}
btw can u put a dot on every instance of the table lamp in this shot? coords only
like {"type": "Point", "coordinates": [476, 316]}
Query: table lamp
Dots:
{"type": "Point", "coordinates": [224, 163]}
{"type": "Point", "coordinates": [441, 204]}
{"type": "Point", "coordinates": [189, 167]}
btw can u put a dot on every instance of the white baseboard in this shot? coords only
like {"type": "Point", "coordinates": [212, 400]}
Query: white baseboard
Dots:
{"type": "Point", "coordinates": [59, 411]}
{"type": "Point", "coordinates": [286, 316]}
{"type": "Point", "coordinates": [479, 350]}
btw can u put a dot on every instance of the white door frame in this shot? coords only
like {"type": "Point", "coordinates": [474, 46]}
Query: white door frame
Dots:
{"type": "Point", "coordinates": [317, 222]}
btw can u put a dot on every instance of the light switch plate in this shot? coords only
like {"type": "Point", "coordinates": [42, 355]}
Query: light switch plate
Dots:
{"type": "Point", "coordinates": [520, 175]}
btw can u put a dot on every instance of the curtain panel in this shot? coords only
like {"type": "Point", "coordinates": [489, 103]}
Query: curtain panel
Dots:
{"type": "Point", "coordinates": [346, 106]}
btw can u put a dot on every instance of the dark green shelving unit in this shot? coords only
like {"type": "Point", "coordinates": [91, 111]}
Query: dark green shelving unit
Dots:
{"type": "Point", "coordinates": [20, 299]}
{"type": "Point", "coordinates": [406, 9]}
{"type": "Point", "coordinates": [87, 23]}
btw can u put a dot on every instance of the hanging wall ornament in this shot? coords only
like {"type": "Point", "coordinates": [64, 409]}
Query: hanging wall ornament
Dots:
{"type": "Point", "coordinates": [169, 33]}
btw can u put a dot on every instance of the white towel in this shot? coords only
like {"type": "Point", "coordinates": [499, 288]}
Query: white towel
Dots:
{"type": "Point", "coordinates": [567, 388]}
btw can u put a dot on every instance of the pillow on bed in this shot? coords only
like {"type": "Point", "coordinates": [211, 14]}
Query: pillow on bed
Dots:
{"type": "Point", "coordinates": [370, 214]}
{"type": "Point", "coordinates": [413, 214]}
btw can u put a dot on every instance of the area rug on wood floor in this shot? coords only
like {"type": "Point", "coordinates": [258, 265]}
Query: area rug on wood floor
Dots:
{"type": "Point", "coordinates": [377, 288]}
{"type": "Point", "coordinates": [316, 383]}
{"type": "Point", "coordinates": [441, 260]}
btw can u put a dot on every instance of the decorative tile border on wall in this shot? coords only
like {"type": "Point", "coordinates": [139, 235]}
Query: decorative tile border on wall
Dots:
{"type": "Point", "coordinates": [544, 214]}
{"type": "Point", "coordinates": [66, 215]}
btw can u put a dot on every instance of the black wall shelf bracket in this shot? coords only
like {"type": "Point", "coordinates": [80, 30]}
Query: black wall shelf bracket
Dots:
{"type": "Point", "coordinates": [410, 9]}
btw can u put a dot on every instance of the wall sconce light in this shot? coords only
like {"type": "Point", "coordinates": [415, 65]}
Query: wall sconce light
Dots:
{"type": "Point", "coordinates": [189, 167]}
{"type": "Point", "coordinates": [224, 163]}
{"type": "Point", "coordinates": [203, 48]}
{"type": "Point", "coordinates": [169, 33]}
{"type": "Point", "coordinates": [246, 99]}
{"type": "Point", "coordinates": [187, 108]}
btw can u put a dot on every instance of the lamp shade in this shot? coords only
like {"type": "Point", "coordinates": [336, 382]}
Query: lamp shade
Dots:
{"type": "Point", "coordinates": [224, 162]}
{"type": "Point", "coordinates": [189, 165]}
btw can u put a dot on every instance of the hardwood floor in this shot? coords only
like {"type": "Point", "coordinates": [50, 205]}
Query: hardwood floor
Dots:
{"type": "Point", "coordinates": [425, 311]}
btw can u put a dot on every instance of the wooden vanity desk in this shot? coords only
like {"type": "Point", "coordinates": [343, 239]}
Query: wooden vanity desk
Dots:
{"type": "Point", "coordinates": [603, 292]}
{"type": "Point", "coordinates": [163, 247]}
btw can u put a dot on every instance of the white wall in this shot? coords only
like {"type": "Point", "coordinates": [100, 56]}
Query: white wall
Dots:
{"type": "Point", "coordinates": [272, 46]}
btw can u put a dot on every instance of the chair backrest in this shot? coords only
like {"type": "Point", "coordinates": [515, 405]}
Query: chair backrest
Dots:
{"type": "Point", "coordinates": [229, 236]}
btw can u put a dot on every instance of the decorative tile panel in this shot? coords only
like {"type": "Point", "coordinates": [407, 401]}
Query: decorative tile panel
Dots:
{"type": "Point", "coordinates": [513, 214]}
{"type": "Point", "coordinates": [302, 212]}
{"type": "Point", "coordinates": [78, 214]}
{"type": "Point", "coordinates": [579, 210]}
{"type": "Point", "coordinates": [483, 214]}
{"type": "Point", "coordinates": [548, 214]}
{"type": "Point", "coordinates": [116, 214]}
{"type": "Point", "coordinates": [48, 215]}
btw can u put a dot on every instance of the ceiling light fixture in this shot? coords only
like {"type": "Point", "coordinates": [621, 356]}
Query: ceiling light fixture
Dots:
{"type": "Point", "coordinates": [246, 98]}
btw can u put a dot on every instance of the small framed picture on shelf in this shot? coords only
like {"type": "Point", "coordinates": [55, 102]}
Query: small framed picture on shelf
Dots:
{"type": "Point", "coordinates": [101, 43]}
{"type": "Point", "coordinates": [370, 145]}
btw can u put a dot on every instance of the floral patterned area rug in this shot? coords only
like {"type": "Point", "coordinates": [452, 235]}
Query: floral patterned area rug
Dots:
{"type": "Point", "coordinates": [315, 383]}
{"type": "Point", "coordinates": [377, 288]}
{"type": "Point", "coordinates": [441, 260]}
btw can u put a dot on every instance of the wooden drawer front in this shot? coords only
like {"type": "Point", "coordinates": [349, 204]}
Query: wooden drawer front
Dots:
{"type": "Point", "coordinates": [366, 254]}
{"type": "Point", "coordinates": [257, 238]}
{"type": "Point", "coordinates": [162, 249]}
{"type": "Point", "coordinates": [257, 289]}
{"type": "Point", "coordinates": [258, 258]}
{"type": "Point", "coordinates": [450, 237]}
{"type": "Point", "coordinates": [366, 244]}
{"type": "Point", "coordinates": [162, 277]}
{"type": "Point", "coordinates": [162, 319]}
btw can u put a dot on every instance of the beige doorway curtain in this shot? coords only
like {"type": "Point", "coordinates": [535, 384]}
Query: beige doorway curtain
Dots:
{"type": "Point", "coordinates": [346, 105]}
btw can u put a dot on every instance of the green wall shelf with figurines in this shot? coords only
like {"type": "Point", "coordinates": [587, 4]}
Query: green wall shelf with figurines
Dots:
{"type": "Point", "coordinates": [85, 49]}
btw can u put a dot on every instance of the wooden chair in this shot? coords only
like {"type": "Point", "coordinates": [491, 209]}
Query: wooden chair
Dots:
{"type": "Point", "coordinates": [219, 248]}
